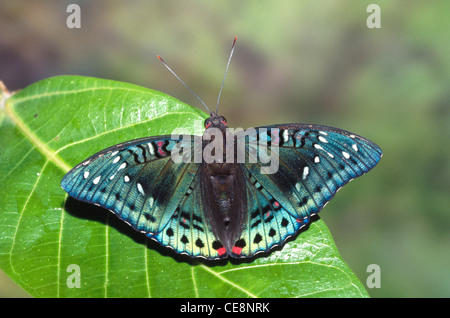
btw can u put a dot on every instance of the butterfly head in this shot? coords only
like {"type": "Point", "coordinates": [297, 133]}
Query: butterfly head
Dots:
{"type": "Point", "coordinates": [216, 121]}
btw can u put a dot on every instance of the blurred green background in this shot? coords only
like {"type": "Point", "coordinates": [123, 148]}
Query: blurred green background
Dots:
{"type": "Point", "coordinates": [295, 61]}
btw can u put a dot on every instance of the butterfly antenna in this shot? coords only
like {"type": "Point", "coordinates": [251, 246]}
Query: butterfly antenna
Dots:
{"type": "Point", "coordinates": [184, 84]}
{"type": "Point", "coordinates": [226, 71]}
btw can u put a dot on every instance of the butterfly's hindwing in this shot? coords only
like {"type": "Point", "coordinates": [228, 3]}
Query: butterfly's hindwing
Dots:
{"type": "Point", "coordinates": [189, 230]}
{"type": "Point", "coordinates": [267, 224]}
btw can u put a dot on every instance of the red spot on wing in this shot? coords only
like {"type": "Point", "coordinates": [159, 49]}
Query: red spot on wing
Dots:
{"type": "Point", "coordinates": [237, 250]}
{"type": "Point", "coordinates": [306, 220]}
{"type": "Point", "coordinates": [276, 204]}
{"type": "Point", "coordinates": [160, 150]}
{"type": "Point", "coordinates": [221, 251]}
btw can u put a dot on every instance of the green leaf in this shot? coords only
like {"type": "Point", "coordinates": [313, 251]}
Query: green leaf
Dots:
{"type": "Point", "coordinates": [54, 124]}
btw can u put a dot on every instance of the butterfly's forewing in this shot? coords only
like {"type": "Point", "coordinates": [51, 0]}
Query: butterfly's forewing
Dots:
{"type": "Point", "coordinates": [136, 180]}
{"type": "Point", "coordinates": [314, 162]}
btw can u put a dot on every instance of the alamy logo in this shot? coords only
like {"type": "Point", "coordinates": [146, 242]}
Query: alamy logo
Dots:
{"type": "Point", "coordinates": [374, 19]}
{"type": "Point", "coordinates": [74, 19]}
{"type": "Point", "coordinates": [232, 146]}
{"type": "Point", "coordinates": [74, 279]}
{"type": "Point", "coordinates": [374, 279]}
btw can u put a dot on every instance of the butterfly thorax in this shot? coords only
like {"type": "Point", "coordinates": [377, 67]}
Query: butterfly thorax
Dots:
{"type": "Point", "coordinates": [216, 121]}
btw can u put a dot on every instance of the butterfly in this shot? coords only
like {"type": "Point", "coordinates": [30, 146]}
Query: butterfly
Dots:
{"type": "Point", "coordinates": [227, 202]}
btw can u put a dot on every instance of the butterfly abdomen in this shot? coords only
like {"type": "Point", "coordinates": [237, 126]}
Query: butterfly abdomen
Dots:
{"type": "Point", "coordinates": [223, 192]}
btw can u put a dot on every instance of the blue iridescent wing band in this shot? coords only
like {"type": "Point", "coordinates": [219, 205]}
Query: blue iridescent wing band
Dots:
{"type": "Point", "coordinates": [136, 180]}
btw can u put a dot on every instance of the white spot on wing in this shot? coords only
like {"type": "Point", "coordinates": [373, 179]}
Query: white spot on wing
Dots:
{"type": "Point", "coordinates": [316, 159]}
{"type": "Point", "coordinates": [322, 139]}
{"type": "Point", "coordinates": [86, 174]}
{"type": "Point", "coordinates": [96, 180]}
{"type": "Point", "coordinates": [323, 133]}
{"type": "Point", "coordinates": [150, 201]}
{"type": "Point", "coordinates": [286, 135]}
{"type": "Point", "coordinates": [116, 159]}
{"type": "Point", "coordinates": [318, 146]}
{"type": "Point", "coordinates": [151, 149]}
{"type": "Point", "coordinates": [114, 153]}
{"type": "Point", "coordinates": [126, 178]}
{"type": "Point", "coordinates": [355, 147]}
{"type": "Point", "coordinates": [330, 155]}
{"type": "Point", "coordinates": [305, 172]}
{"type": "Point", "coordinates": [122, 166]}
{"type": "Point", "coordinates": [140, 189]}
{"type": "Point", "coordinates": [346, 155]}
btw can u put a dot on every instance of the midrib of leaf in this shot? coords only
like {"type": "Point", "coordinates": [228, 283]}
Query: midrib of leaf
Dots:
{"type": "Point", "coordinates": [75, 91]}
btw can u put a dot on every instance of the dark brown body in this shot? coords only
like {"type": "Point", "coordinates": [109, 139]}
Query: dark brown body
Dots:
{"type": "Point", "coordinates": [223, 191]}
